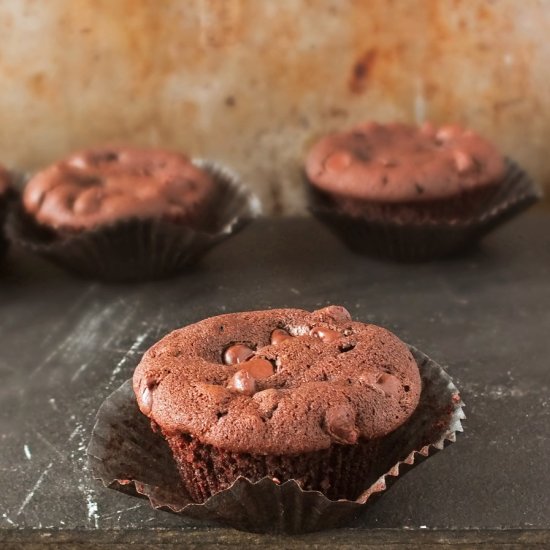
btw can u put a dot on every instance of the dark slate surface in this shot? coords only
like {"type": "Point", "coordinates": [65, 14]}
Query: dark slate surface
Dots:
{"type": "Point", "coordinates": [65, 344]}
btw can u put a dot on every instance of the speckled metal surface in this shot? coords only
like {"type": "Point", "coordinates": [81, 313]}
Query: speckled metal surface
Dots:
{"type": "Point", "coordinates": [252, 82]}
{"type": "Point", "coordinates": [65, 344]}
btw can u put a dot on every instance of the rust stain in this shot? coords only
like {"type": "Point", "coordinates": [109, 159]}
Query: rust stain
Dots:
{"type": "Point", "coordinates": [361, 71]}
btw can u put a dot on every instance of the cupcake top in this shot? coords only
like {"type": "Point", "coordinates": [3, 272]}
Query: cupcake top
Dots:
{"type": "Point", "coordinates": [283, 381]}
{"type": "Point", "coordinates": [102, 186]}
{"type": "Point", "coordinates": [392, 163]}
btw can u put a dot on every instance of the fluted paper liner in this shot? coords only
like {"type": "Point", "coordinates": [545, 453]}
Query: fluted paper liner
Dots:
{"type": "Point", "coordinates": [7, 200]}
{"type": "Point", "coordinates": [429, 239]}
{"type": "Point", "coordinates": [126, 455]}
{"type": "Point", "coordinates": [141, 249]}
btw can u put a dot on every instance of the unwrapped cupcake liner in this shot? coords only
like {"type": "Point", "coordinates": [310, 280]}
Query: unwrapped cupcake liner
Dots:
{"type": "Point", "coordinates": [429, 239]}
{"type": "Point", "coordinates": [143, 249]}
{"type": "Point", "coordinates": [127, 455]}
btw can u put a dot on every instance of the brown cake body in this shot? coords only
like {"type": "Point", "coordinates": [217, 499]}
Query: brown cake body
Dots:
{"type": "Point", "coordinates": [103, 186]}
{"type": "Point", "coordinates": [386, 170]}
{"type": "Point", "coordinates": [283, 393]}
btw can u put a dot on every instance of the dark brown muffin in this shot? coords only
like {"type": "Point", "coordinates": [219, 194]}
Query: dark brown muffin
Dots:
{"type": "Point", "coordinates": [100, 187]}
{"type": "Point", "coordinates": [283, 393]}
{"type": "Point", "coordinates": [399, 172]}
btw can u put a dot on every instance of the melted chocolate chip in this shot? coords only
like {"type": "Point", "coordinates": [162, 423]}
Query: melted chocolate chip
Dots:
{"type": "Point", "coordinates": [146, 400]}
{"type": "Point", "coordinates": [388, 383]}
{"type": "Point", "coordinates": [338, 313]}
{"type": "Point", "coordinates": [340, 424]}
{"type": "Point", "coordinates": [326, 335]}
{"type": "Point", "coordinates": [147, 395]}
{"type": "Point", "coordinates": [279, 335]}
{"type": "Point", "coordinates": [258, 368]}
{"type": "Point", "coordinates": [463, 162]}
{"type": "Point", "coordinates": [338, 162]}
{"type": "Point", "coordinates": [237, 353]}
{"type": "Point", "coordinates": [243, 382]}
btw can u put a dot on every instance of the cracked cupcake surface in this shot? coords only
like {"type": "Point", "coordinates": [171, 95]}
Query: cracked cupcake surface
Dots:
{"type": "Point", "coordinates": [278, 382]}
{"type": "Point", "coordinates": [101, 186]}
{"type": "Point", "coordinates": [400, 163]}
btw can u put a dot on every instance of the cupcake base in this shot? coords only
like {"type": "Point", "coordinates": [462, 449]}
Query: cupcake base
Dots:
{"type": "Point", "coordinates": [403, 234]}
{"type": "Point", "coordinates": [338, 472]}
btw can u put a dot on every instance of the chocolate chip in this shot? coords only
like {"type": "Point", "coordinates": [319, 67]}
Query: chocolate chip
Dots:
{"type": "Point", "coordinates": [237, 353]}
{"type": "Point", "coordinates": [259, 368]}
{"type": "Point", "coordinates": [146, 400]}
{"type": "Point", "coordinates": [337, 313]}
{"type": "Point", "coordinates": [340, 424]}
{"type": "Point", "coordinates": [326, 335]}
{"type": "Point", "coordinates": [463, 162]}
{"type": "Point", "coordinates": [388, 383]}
{"type": "Point", "coordinates": [279, 335]}
{"type": "Point", "coordinates": [147, 394]}
{"type": "Point", "coordinates": [243, 382]}
{"type": "Point", "coordinates": [338, 162]}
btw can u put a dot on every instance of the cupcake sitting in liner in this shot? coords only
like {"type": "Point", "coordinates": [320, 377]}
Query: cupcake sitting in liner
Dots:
{"type": "Point", "coordinates": [413, 193]}
{"type": "Point", "coordinates": [124, 213]}
{"type": "Point", "coordinates": [276, 420]}
{"type": "Point", "coordinates": [5, 194]}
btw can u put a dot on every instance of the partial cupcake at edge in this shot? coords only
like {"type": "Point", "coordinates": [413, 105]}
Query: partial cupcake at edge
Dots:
{"type": "Point", "coordinates": [413, 192]}
{"type": "Point", "coordinates": [130, 213]}
{"type": "Point", "coordinates": [5, 195]}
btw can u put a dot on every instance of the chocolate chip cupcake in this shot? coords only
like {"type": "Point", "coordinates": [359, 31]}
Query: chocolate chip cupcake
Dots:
{"type": "Point", "coordinates": [377, 177]}
{"type": "Point", "coordinates": [284, 394]}
{"type": "Point", "coordinates": [5, 193]}
{"type": "Point", "coordinates": [100, 187]}
{"type": "Point", "coordinates": [128, 213]}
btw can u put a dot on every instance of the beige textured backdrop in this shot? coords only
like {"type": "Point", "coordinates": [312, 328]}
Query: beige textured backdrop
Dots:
{"type": "Point", "coordinates": [252, 82]}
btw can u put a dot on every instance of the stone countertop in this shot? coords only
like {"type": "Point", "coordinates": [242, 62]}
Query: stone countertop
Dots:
{"type": "Point", "coordinates": [66, 343]}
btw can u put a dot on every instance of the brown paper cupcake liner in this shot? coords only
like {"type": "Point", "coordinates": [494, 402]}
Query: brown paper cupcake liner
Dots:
{"type": "Point", "coordinates": [7, 201]}
{"type": "Point", "coordinates": [142, 249]}
{"type": "Point", "coordinates": [429, 239]}
{"type": "Point", "coordinates": [126, 455]}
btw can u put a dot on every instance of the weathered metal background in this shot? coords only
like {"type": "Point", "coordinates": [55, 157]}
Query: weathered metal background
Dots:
{"type": "Point", "coordinates": [252, 82]}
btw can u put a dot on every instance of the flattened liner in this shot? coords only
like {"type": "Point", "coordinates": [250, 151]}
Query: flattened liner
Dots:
{"type": "Point", "coordinates": [126, 455]}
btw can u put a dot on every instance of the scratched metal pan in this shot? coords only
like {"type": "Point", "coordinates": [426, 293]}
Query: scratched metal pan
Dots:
{"type": "Point", "coordinates": [426, 240]}
{"type": "Point", "coordinates": [126, 455]}
{"type": "Point", "coordinates": [137, 249]}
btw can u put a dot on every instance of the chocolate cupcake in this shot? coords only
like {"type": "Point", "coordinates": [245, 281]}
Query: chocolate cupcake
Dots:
{"type": "Point", "coordinates": [384, 188]}
{"type": "Point", "coordinates": [128, 213]}
{"type": "Point", "coordinates": [5, 193]}
{"type": "Point", "coordinates": [284, 394]}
